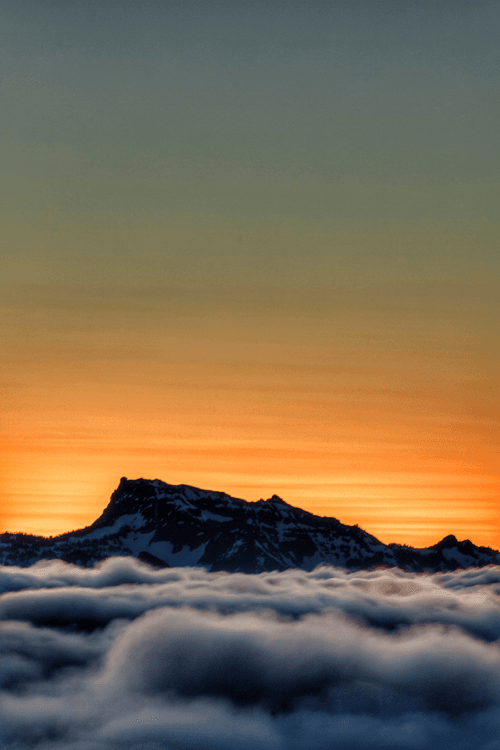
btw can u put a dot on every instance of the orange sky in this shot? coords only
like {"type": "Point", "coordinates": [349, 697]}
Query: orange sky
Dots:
{"type": "Point", "coordinates": [398, 440]}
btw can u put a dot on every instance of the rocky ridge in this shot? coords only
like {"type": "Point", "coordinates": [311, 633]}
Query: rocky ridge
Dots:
{"type": "Point", "coordinates": [178, 525]}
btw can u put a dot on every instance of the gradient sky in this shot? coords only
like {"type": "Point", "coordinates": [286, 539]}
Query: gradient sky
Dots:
{"type": "Point", "coordinates": [252, 247]}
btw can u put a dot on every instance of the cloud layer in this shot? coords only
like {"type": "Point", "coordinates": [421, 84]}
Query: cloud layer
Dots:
{"type": "Point", "coordinates": [125, 656]}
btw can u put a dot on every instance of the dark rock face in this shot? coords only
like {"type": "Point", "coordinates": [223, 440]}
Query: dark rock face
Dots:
{"type": "Point", "coordinates": [171, 525]}
{"type": "Point", "coordinates": [152, 560]}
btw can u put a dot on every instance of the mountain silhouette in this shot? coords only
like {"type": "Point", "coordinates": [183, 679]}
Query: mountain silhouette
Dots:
{"type": "Point", "coordinates": [177, 525]}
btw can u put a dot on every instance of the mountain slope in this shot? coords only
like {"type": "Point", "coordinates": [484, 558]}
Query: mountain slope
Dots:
{"type": "Point", "coordinates": [177, 525]}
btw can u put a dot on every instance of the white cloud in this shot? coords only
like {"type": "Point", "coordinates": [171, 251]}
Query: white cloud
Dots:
{"type": "Point", "coordinates": [124, 656]}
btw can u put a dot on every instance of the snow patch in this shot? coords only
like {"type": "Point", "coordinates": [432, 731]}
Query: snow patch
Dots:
{"type": "Point", "coordinates": [206, 515]}
{"type": "Point", "coordinates": [134, 520]}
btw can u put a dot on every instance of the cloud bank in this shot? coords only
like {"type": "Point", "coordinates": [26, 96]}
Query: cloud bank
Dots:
{"type": "Point", "coordinates": [123, 656]}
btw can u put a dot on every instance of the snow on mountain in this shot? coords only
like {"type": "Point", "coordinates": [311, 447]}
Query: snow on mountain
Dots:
{"type": "Point", "coordinates": [178, 525]}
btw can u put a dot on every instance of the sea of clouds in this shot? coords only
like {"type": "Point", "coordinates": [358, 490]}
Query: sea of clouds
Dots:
{"type": "Point", "coordinates": [124, 656]}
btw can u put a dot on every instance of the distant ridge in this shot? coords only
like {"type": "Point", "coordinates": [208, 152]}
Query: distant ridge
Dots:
{"type": "Point", "coordinates": [177, 525]}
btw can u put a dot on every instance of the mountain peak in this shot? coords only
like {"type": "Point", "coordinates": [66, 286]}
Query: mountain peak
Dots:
{"type": "Point", "coordinates": [448, 542]}
{"type": "Point", "coordinates": [176, 525]}
{"type": "Point", "coordinates": [274, 500]}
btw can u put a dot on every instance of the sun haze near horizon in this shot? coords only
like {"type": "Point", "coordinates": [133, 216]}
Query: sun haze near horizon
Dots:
{"type": "Point", "coordinates": [252, 248]}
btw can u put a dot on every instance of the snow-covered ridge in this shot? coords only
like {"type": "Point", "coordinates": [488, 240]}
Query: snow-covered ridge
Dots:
{"type": "Point", "coordinates": [179, 525]}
